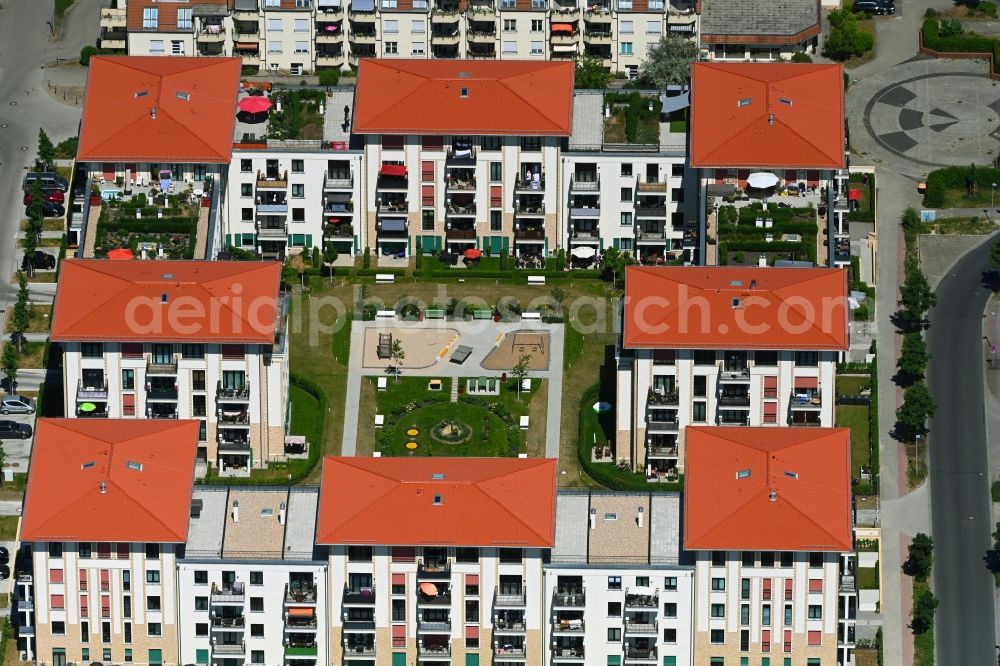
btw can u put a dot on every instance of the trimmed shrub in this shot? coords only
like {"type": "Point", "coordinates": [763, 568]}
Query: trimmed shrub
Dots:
{"type": "Point", "coordinates": [86, 53]}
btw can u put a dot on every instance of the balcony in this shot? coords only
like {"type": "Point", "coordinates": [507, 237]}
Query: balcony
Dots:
{"type": "Point", "coordinates": [584, 212]}
{"type": "Point", "coordinates": [597, 36]}
{"type": "Point", "coordinates": [734, 375]}
{"type": "Point", "coordinates": [441, 598]}
{"type": "Point", "coordinates": [272, 181]}
{"type": "Point", "coordinates": [733, 418]}
{"type": "Point", "coordinates": [433, 570]}
{"type": "Point", "coordinates": [659, 451]}
{"type": "Point", "coordinates": [168, 368]}
{"type": "Point", "coordinates": [268, 232]}
{"type": "Point", "coordinates": [233, 417]}
{"type": "Point", "coordinates": [508, 599]}
{"type": "Point", "coordinates": [461, 234]}
{"type": "Point", "coordinates": [734, 400]}
{"type": "Point", "coordinates": [564, 38]}
{"type": "Point", "coordinates": [300, 651]}
{"type": "Point", "coordinates": [338, 181]}
{"type": "Point", "coordinates": [460, 184]}
{"type": "Point", "coordinates": [445, 38]}
{"type": "Point", "coordinates": [211, 34]}
{"type": "Point", "coordinates": [228, 595]}
{"type": "Point", "coordinates": [513, 625]}
{"type": "Point", "coordinates": [532, 235]}
{"type": "Point", "coordinates": [442, 651]}
{"type": "Point", "coordinates": [250, 59]}
{"type": "Point", "coordinates": [560, 653]}
{"type": "Point", "coordinates": [585, 235]}
{"type": "Point", "coordinates": [574, 626]}
{"type": "Point", "coordinates": [657, 397]}
{"type": "Point", "coordinates": [230, 649]}
{"type": "Point", "coordinates": [112, 17]}
{"type": "Point", "coordinates": [397, 207]}
{"type": "Point", "coordinates": [361, 596]}
{"type": "Point", "coordinates": [361, 15]}
{"type": "Point", "coordinates": [160, 393]}
{"type": "Point", "coordinates": [233, 394]}
{"type": "Point", "coordinates": [461, 210]}
{"type": "Point", "coordinates": [660, 421]}
{"type": "Point", "coordinates": [360, 626]}
{"type": "Point", "coordinates": [646, 185]}
{"type": "Point", "coordinates": [690, 236]}
{"type": "Point", "coordinates": [564, 12]}
{"type": "Point", "coordinates": [637, 628]}
{"type": "Point", "coordinates": [529, 210]}
{"type": "Point", "coordinates": [228, 623]}
{"type": "Point", "coordinates": [647, 210]}
{"type": "Point", "coordinates": [501, 652]}
{"type": "Point", "coordinates": [93, 392]}
{"type": "Point", "coordinates": [324, 36]}
{"type": "Point", "coordinates": [445, 16]}
{"type": "Point", "coordinates": [640, 655]}
{"type": "Point", "coordinates": [460, 157]}
{"type": "Point", "coordinates": [637, 598]}
{"type": "Point", "coordinates": [272, 207]}
{"type": "Point", "coordinates": [572, 599]}
{"type": "Point", "coordinates": [234, 446]}
{"type": "Point", "coordinates": [534, 184]}
{"type": "Point", "coordinates": [805, 401]}
{"type": "Point", "coordinates": [362, 37]}
{"type": "Point", "coordinates": [298, 592]}
{"type": "Point", "coordinates": [300, 623]}
{"type": "Point", "coordinates": [435, 627]}
{"type": "Point", "coordinates": [848, 584]}
{"type": "Point", "coordinates": [586, 183]}
{"type": "Point", "coordinates": [341, 230]}
{"type": "Point", "coordinates": [482, 36]}
{"type": "Point", "coordinates": [360, 651]}
{"type": "Point", "coordinates": [651, 235]}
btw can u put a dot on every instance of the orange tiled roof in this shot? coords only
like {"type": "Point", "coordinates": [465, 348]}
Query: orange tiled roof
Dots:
{"type": "Point", "coordinates": [193, 101]}
{"type": "Point", "coordinates": [717, 307]}
{"type": "Point", "coordinates": [516, 97]}
{"type": "Point", "coordinates": [482, 501]}
{"type": "Point", "coordinates": [146, 469]}
{"type": "Point", "coordinates": [206, 301]}
{"type": "Point", "coordinates": [773, 115]}
{"type": "Point", "coordinates": [166, 14]}
{"type": "Point", "coordinates": [767, 489]}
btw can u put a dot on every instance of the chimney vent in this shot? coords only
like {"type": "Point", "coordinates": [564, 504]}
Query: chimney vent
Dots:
{"type": "Point", "coordinates": [104, 487]}
{"type": "Point", "coordinates": [152, 112]}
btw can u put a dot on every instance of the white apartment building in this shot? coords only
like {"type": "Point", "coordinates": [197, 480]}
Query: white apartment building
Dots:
{"type": "Point", "coordinates": [617, 586]}
{"type": "Point", "coordinates": [300, 36]}
{"type": "Point", "coordinates": [423, 577]}
{"type": "Point", "coordinates": [725, 346]}
{"type": "Point", "coordinates": [251, 584]}
{"type": "Point", "coordinates": [768, 516]}
{"type": "Point", "coordinates": [179, 340]}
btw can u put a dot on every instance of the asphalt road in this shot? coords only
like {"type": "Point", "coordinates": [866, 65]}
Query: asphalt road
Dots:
{"type": "Point", "coordinates": [959, 480]}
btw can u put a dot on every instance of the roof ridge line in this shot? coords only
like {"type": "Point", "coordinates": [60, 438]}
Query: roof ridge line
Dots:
{"type": "Point", "coordinates": [819, 527]}
{"type": "Point", "coordinates": [510, 513]}
{"type": "Point", "coordinates": [144, 509]}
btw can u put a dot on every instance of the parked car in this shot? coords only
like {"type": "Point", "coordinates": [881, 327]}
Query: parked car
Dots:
{"type": "Point", "coordinates": [14, 430]}
{"type": "Point", "coordinates": [41, 260]}
{"type": "Point", "coordinates": [49, 181]}
{"type": "Point", "coordinates": [17, 404]}
{"type": "Point", "coordinates": [50, 209]}
{"type": "Point", "coordinates": [4, 572]}
{"type": "Point", "coordinates": [4, 555]}
{"type": "Point", "coordinates": [53, 196]}
{"type": "Point", "coordinates": [879, 7]}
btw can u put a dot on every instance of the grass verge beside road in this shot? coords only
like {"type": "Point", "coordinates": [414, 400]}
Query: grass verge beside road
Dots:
{"type": "Point", "coordinates": [38, 318]}
{"type": "Point", "coordinates": [923, 643]}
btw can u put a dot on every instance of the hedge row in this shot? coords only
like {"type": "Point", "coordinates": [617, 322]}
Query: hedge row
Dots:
{"type": "Point", "coordinates": [957, 178]}
{"type": "Point", "coordinates": [869, 214]}
{"type": "Point", "coordinates": [165, 225]}
{"type": "Point", "coordinates": [807, 246]}
{"type": "Point", "coordinates": [966, 42]}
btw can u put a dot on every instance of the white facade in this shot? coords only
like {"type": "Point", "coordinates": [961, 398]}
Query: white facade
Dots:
{"type": "Point", "coordinates": [661, 392]}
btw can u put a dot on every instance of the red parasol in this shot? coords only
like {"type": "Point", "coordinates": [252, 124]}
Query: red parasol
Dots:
{"type": "Point", "coordinates": [472, 253]}
{"type": "Point", "coordinates": [255, 104]}
{"type": "Point", "coordinates": [121, 254]}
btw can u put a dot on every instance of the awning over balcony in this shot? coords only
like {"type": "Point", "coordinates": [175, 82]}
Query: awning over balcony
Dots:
{"type": "Point", "coordinates": [247, 45]}
{"type": "Point", "coordinates": [472, 631]}
{"type": "Point", "coordinates": [806, 382]}
{"type": "Point", "coordinates": [399, 631]}
{"type": "Point", "coordinates": [563, 48]}
{"type": "Point", "coordinates": [391, 169]}
{"type": "Point", "coordinates": [673, 103]}
{"type": "Point", "coordinates": [398, 579]}
{"type": "Point", "coordinates": [854, 194]}
{"type": "Point", "coordinates": [393, 225]}
{"type": "Point", "coordinates": [770, 382]}
{"type": "Point", "coordinates": [562, 27]}
{"type": "Point", "coordinates": [300, 612]}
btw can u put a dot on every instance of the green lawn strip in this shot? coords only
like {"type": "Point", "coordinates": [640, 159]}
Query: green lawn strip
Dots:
{"type": "Point", "coordinates": [923, 644]}
{"type": "Point", "coordinates": [852, 384]}
{"type": "Point", "coordinates": [866, 578]}
{"type": "Point", "coordinates": [855, 417]}
{"type": "Point", "coordinates": [8, 528]}
{"type": "Point", "coordinates": [38, 318]}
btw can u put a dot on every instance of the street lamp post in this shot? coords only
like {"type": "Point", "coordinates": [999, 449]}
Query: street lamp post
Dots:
{"type": "Point", "coordinates": [916, 462]}
{"type": "Point", "coordinates": [993, 196]}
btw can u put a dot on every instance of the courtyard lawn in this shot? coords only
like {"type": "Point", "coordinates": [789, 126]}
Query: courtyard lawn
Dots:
{"type": "Point", "coordinates": [484, 425]}
{"type": "Point", "coordinates": [855, 417]}
{"type": "Point", "coordinates": [866, 578]}
{"type": "Point", "coordinates": [38, 318]}
{"type": "Point", "coordinates": [853, 384]}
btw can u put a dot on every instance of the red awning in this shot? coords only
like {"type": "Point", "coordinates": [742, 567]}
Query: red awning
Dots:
{"type": "Point", "coordinates": [392, 170]}
{"type": "Point", "coordinates": [770, 382]}
{"type": "Point", "coordinates": [806, 382]}
{"type": "Point", "coordinates": [399, 631]}
{"type": "Point", "coordinates": [770, 409]}
{"type": "Point", "coordinates": [472, 632]}
{"type": "Point", "coordinates": [247, 45]}
{"type": "Point", "coordinates": [256, 104]}
{"type": "Point", "coordinates": [562, 27]}
{"type": "Point", "coordinates": [854, 194]}
{"type": "Point", "coordinates": [429, 589]}
{"type": "Point", "coordinates": [121, 254]}
{"type": "Point", "coordinates": [300, 612]}
{"type": "Point", "coordinates": [815, 584]}
{"type": "Point", "coordinates": [398, 579]}
{"type": "Point", "coordinates": [128, 400]}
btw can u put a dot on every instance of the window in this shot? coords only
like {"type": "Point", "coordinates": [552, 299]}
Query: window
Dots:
{"type": "Point", "coordinates": [537, 48]}
{"type": "Point", "coordinates": [391, 26]}
{"type": "Point", "coordinates": [201, 603]}
{"type": "Point", "coordinates": [154, 629]}
{"type": "Point", "coordinates": [625, 48]}
{"type": "Point", "coordinates": [788, 615]}
{"type": "Point", "coordinates": [201, 656]}
{"type": "Point", "coordinates": [193, 351]}
{"type": "Point", "coordinates": [614, 582]}
{"type": "Point", "coordinates": [392, 48]}
{"type": "Point", "coordinates": [176, 47]}
{"type": "Point", "coordinates": [273, 47]}
{"type": "Point", "coordinates": [670, 583]}
{"type": "Point", "coordinates": [274, 25]}
{"type": "Point", "coordinates": [698, 412]}
{"type": "Point", "coordinates": [153, 602]}
{"type": "Point", "coordinates": [417, 26]}
{"type": "Point", "coordinates": [807, 358]}
{"type": "Point", "coordinates": [670, 610]}
{"type": "Point", "coordinates": [150, 18]}
{"type": "Point", "coordinates": [156, 46]}
{"type": "Point", "coordinates": [301, 25]}
{"type": "Point", "coordinates": [614, 634]}
{"type": "Point", "coordinates": [625, 28]}
{"type": "Point", "coordinates": [745, 614]}
{"type": "Point", "coordinates": [92, 350]}
{"type": "Point", "coordinates": [537, 25]}
{"type": "Point", "coordinates": [298, 215]}
{"type": "Point", "coordinates": [765, 615]}
{"type": "Point", "coordinates": [718, 584]}
{"type": "Point", "coordinates": [201, 629]}
{"type": "Point", "coordinates": [399, 610]}
{"type": "Point", "coordinates": [510, 25]}
{"type": "Point", "coordinates": [626, 219]}
{"type": "Point", "coordinates": [184, 18]}
{"type": "Point", "coordinates": [669, 635]}
{"type": "Point", "coordinates": [246, 214]}
{"type": "Point", "coordinates": [626, 194]}
{"type": "Point", "coordinates": [767, 559]}
{"type": "Point", "coordinates": [201, 578]}
{"type": "Point", "coordinates": [815, 637]}
{"type": "Point", "coordinates": [85, 652]}
{"type": "Point", "coordinates": [155, 657]}
{"type": "Point", "coordinates": [749, 558]}
{"type": "Point", "coordinates": [510, 48]}
{"type": "Point", "coordinates": [531, 143]}
{"type": "Point", "coordinates": [717, 636]}
{"type": "Point", "coordinates": [152, 551]}
{"type": "Point", "coordinates": [654, 27]}
{"type": "Point", "coordinates": [417, 48]}
{"type": "Point", "coordinates": [256, 656]}
{"type": "Point", "coordinates": [815, 560]}
{"type": "Point", "coordinates": [714, 661]}
{"type": "Point", "coordinates": [427, 220]}
{"type": "Point", "coordinates": [744, 642]}
{"type": "Point", "coordinates": [491, 143]}
{"type": "Point", "coordinates": [642, 581]}
{"type": "Point", "coordinates": [256, 577]}
{"type": "Point", "coordinates": [128, 654]}
{"type": "Point", "coordinates": [246, 190]}
{"type": "Point", "coordinates": [786, 559]}
{"type": "Point", "coordinates": [55, 550]}
{"type": "Point", "coordinates": [106, 652]}
{"type": "Point", "coordinates": [718, 610]}
{"type": "Point", "coordinates": [152, 576]}
{"type": "Point", "coordinates": [614, 609]}
{"type": "Point", "coordinates": [127, 606]}
{"type": "Point", "coordinates": [246, 166]}
{"type": "Point", "coordinates": [257, 604]}
{"type": "Point", "coordinates": [257, 631]}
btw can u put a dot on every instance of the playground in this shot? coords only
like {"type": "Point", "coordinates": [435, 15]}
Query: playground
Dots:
{"type": "Point", "coordinates": [422, 346]}
{"type": "Point", "coordinates": [513, 346]}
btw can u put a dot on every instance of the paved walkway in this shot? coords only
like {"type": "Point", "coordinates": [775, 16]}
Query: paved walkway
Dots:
{"type": "Point", "coordinates": [481, 336]}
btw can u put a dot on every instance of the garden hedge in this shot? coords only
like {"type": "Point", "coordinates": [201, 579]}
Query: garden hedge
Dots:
{"type": "Point", "coordinates": [966, 42]}
{"type": "Point", "coordinates": [950, 178]}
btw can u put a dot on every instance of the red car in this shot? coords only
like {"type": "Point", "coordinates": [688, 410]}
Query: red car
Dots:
{"type": "Point", "coordinates": [54, 196]}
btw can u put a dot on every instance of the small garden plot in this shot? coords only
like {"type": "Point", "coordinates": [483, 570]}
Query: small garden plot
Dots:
{"type": "Point", "coordinates": [634, 118]}
{"type": "Point", "coordinates": [119, 226]}
{"type": "Point", "coordinates": [299, 117]}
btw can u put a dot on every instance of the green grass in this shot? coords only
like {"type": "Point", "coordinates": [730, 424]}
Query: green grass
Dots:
{"type": "Point", "coordinates": [923, 644]}
{"type": "Point", "coordinates": [995, 491]}
{"type": "Point", "coordinates": [8, 528]}
{"type": "Point", "coordinates": [856, 418]}
{"type": "Point", "coordinates": [61, 6]}
{"type": "Point", "coordinates": [852, 385]}
{"type": "Point", "coordinates": [572, 346]}
{"type": "Point", "coordinates": [307, 419]}
{"type": "Point", "coordinates": [866, 578]}
{"type": "Point", "coordinates": [32, 355]}
{"type": "Point", "coordinates": [965, 226]}
{"type": "Point", "coordinates": [408, 404]}
{"type": "Point", "coordinates": [48, 224]}
{"type": "Point", "coordinates": [38, 318]}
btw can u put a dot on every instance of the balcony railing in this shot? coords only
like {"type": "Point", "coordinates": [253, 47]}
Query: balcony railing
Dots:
{"type": "Point", "coordinates": [234, 418]}
{"type": "Point", "coordinates": [516, 599]}
{"type": "Point", "coordinates": [655, 397]}
{"type": "Point", "coordinates": [734, 374]}
{"type": "Point", "coordinates": [306, 623]}
{"type": "Point", "coordinates": [300, 593]}
{"type": "Point", "coordinates": [575, 626]}
{"type": "Point", "coordinates": [529, 234]}
{"type": "Point", "coordinates": [461, 183]}
{"type": "Point", "coordinates": [393, 208]}
{"type": "Point", "coordinates": [805, 400]}
{"type": "Point", "coordinates": [442, 598]}
{"type": "Point", "coordinates": [502, 651]}
{"type": "Point", "coordinates": [165, 393]}
{"type": "Point", "coordinates": [367, 650]}
{"type": "Point", "coordinates": [338, 181]}
{"type": "Point", "coordinates": [641, 655]}
{"type": "Point", "coordinates": [531, 184]}
{"type": "Point", "coordinates": [240, 446]}
{"type": "Point", "coordinates": [661, 451]}
{"type": "Point", "coordinates": [644, 185]}
{"type": "Point", "coordinates": [359, 595]}
{"type": "Point", "coordinates": [85, 393]}
{"type": "Point", "coordinates": [276, 181]}
{"type": "Point", "coordinates": [575, 653]}
{"type": "Point", "coordinates": [278, 232]}
{"type": "Point", "coordinates": [228, 595]}
{"type": "Point", "coordinates": [228, 623]}
{"type": "Point", "coordinates": [848, 584]}
{"type": "Point", "coordinates": [641, 599]}
{"type": "Point", "coordinates": [734, 400]}
{"type": "Point", "coordinates": [433, 570]}
{"type": "Point", "coordinates": [632, 627]}
{"type": "Point", "coordinates": [651, 211]}
{"type": "Point", "coordinates": [574, 599]}
{"type": "Point", "coordinates": [161, 368]}
{"type": "Point", "coordinates": [468, 209]}
{"type": "Point", "coordinates": [232, 393]}
{"type": "Point", "coordinates": [230, 648]}
{"type": "Point", "coordinates": [655, 235]}
{"type": "Point", "coordinates": [434, 650]}
{"type": "Point", "coordinates": [502, 625]}
{"type": "Point", "coordinates": [461, 234]}
{"type": "Point", "coordinates": [585, 211]}
{"type": "Point", "coordinates": [525, 210]}
{"type": "Point", "coordinates": [301, 650]}
{"type": "Point", "coordinates": [435, 627]}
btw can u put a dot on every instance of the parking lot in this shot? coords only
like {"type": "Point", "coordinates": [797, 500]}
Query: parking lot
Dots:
{"type": "Point", "coordinates": [18, 451]}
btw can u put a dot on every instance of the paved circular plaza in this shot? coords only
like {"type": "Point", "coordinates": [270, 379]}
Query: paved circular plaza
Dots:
{"type": "Point", "coordinates": [931, 113]}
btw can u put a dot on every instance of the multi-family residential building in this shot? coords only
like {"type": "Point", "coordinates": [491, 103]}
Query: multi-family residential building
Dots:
{"type": "Point", "coordinates": [619, 588]}
{"type": "Point", "coordinates": [781, 120]}
{"type": "Point", "coordinates": [768, 516]}
{"type": "Point", "coordinates": [179, 339]}
{"type": "Point", "coordinates": [438, 560]}
{"type": "Point", "coordinates": [758, 30]}
{"type": "Point", "coordinates": [724, 346]}
{"type": "Point", "coordinates": [105, 513]}
{"type": "Point", "coordinates": [299, 36]}
{"type": "Point", "coordinates": [251, 583]}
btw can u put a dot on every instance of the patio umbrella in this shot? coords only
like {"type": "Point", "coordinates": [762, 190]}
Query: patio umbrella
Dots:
{"type": "Point", "coordinates": [121, 254]}
{"type": "Point", "coordinates": [602, 407]}
{"type": "Point", "coordinates": [254, 104]}
{"type": "Point", "coordinates": [331, 28]}
{"type": "Point", "coordinates": [584, 252]}
{"type": "Point", "coordinates": [88, 407]}
{"type": "Point", "coordinates": [429, 589]}
{"type": "Point", "coordinates": [762, 180]}
{"type": "Point", "coordinates": [472, 253]}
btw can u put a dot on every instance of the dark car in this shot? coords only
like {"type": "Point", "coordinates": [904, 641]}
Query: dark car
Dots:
{"type": "Point", "coordinates": [48, 180]}
{"type": "Point", "coordinates": [50, 209]}
{"type": "Point", "coordinates": [55, 196]}
{"type": "Point", "coordinates": [14, 430]}
{"type": "Point", "coordinates": [41, 261]}
{"type": "Point", "coordinates": [4, 555]}
{"type": "Point", "coordinates": [879, 7]}
{"type": "Point", "coordinates": [4, 572]}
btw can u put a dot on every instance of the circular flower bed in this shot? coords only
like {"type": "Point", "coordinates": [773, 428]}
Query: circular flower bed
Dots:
{"type": "Point", "coordinates": [451, 432]}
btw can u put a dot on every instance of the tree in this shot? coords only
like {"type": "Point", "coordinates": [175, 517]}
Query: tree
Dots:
{"type": "Point", "coordinates": [46, 151]}
{"type": "Point", "coordinates": [35, 206]}
{"type": "Point", "coordinates": [86, 53]}
{"type": "Point", "coordinates": [846, 39]}
{"type": "Point", "coordinates": [917, 407]}
{"type": "Point", "coordinates": [913, 359]}
{"type": "Point", "coordinates": [329, 76]}
{"type": "Point", "coordinates": [924, 608]}
{"type": "Point", "coordinates": [920, 557]}
{"type": "Point", "coordinates": [558, 295]}
{"type": "Point", "coordinates": [591, 74]}
{"type": "Point", "coordinates": [915, 296]}
{"type": "Point", "coordinates": [911, 222]}
{"type": "Point", "coordinates": [330, 256]}
{"type": "Point", "coordinates": [315, 259]}
{"type": "Point", "coordinates": [668, 62]}
{"type": "Point", "coordinates": [10, 361]}
{"type": "Point", "coordinates": [520, 371]}
{"type": "Point", "coordinates": [995, 257]}
{"type": "Point", "coordinates": [398, 355]}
